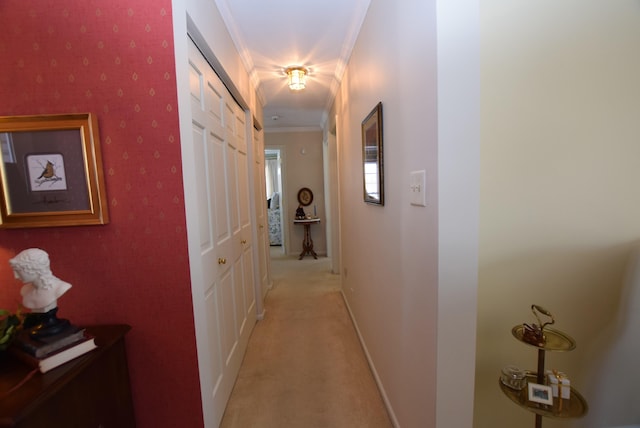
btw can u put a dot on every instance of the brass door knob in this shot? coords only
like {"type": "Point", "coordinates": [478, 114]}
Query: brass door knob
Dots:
{"type": "Point", "coordinates": [222, 261]}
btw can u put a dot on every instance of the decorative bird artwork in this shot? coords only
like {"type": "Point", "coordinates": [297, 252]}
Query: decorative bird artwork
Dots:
{"type": "Point", "coordinates": [48, 171]}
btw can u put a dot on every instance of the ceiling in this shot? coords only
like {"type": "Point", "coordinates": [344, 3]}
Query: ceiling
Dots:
{"type": "Point", "coordinates": [274, 34]}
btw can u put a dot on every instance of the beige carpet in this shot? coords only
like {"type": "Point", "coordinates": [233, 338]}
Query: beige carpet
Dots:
{"type": "Point", "coordinates": [304, 366]}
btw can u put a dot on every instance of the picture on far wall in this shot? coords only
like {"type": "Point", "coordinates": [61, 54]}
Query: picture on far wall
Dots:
{"type": "Point", "coordinates": [372, 157]}
{"type": "Point", "coordinates": [51, 171]}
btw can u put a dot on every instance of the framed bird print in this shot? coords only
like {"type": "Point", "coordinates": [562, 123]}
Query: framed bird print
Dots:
{"type": "Point", "coordinates": [51, 171]}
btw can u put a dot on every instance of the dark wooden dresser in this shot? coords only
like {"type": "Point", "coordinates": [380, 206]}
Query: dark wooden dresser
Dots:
{"type": "Point", "coordinates": [92, 391]}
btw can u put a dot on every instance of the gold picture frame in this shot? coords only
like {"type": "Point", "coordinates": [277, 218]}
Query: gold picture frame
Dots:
{"type": "Point", "coordinates": [372, 159]}
{"type": "Point", "coordinates": [51, 172]}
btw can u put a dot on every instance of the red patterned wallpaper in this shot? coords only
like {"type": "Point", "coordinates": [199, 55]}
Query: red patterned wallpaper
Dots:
{"type": "Point", "coordinates": [114, 59]}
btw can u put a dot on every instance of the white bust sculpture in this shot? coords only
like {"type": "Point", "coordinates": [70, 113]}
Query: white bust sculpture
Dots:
{"type": "Point", "coordinates": [41, 288]}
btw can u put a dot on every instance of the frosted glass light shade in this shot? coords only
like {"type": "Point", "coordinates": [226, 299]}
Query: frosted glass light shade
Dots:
{"type": "Point", "coordinates": [297, 76]}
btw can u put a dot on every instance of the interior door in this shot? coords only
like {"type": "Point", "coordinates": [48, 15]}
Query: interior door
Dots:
{"type": "Point", "coordinates": [261, 213]}
{"type": "Point", "coordinates": [222, 283]}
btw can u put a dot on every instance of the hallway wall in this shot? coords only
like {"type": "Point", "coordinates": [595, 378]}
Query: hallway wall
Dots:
{"type": "Point", "coordinates": [559, 189]}
{"type": "Point", "coordinates": [114, 60]}
{"type": "Point", "coordinates": [409, 273]}
{"type": "Point", "coordinates": [390, 260]}
{"type": "Point", "coordinates": [117, 61]}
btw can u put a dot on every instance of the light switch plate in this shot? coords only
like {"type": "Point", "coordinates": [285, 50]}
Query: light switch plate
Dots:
{"type": "Point", "coordinates": [417, 188]}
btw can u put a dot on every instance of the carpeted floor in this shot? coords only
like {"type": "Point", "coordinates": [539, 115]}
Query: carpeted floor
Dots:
{"type": "Point", "coordinates": [304, 367]}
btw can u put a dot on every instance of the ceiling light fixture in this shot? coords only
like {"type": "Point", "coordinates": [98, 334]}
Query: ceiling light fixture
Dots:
{"type": "Point", "coordinates": [297, 76]}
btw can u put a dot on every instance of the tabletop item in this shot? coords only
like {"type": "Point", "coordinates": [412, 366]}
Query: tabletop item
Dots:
{"type": "Point", "coordinates": [556, 378]}
{"type": "Point", "coordinates": [300, 214]}
{"type": "Point", "coordinates": [534, 333]}
{"type": "Point", "coordinates": [513, 378]}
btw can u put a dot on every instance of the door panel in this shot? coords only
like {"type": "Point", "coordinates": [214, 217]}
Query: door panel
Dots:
{"type": "Point", "coordinates": [227, 315]}
{"type": "Point", "coordinates": [200, 168]}
{"type": "Point", "coordinates": [219, 187]}
{"type": "Point", "coordinates": [243, 191]}
{"type": "Point", "coordinates": [249, 293]}
{"type": "Point", "coordinates": [221, 201]}
{"type": "Point", "coordinates": [240, 315]}
{"type": "Point", "coordinates": [211, 304]}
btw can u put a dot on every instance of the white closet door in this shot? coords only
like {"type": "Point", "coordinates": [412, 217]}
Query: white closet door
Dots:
{"type": "Point", "coordinates": [221, 273]}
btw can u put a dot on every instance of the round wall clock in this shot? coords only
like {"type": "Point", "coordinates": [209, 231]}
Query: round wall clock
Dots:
{"type": "Point", "coordinates": [305, 196]}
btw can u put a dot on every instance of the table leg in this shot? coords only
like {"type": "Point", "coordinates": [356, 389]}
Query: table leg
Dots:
{"type": "Point", "coordinates": [307, 243]}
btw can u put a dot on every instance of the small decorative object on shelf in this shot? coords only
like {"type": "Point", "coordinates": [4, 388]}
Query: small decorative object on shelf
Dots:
{"type": "Point", "coordinates": [556, 378]}
{"type": "Point", "coordinates": [9, 326]}
{"type": "Point", "coordinates": [513, 378]}
{"type": "Point", "coordinates": [40, 292]}
{"type": "Point", "coordinates": [300, 214]}
{"type": "Point", "coordinates": [534, 334]}
{"type": "Point", "coordinates": [43, 340]}
{"type": "Point", "coordinates": [539, 392]}
{"type": "Point", "coordinates": [47, 361]}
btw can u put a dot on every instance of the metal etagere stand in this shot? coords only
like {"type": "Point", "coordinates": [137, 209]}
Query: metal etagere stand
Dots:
{"type": "Point", "coordinates": [553, 341]}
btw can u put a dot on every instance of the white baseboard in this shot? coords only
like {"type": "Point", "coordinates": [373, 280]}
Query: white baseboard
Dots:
{"type": "Point", "coordinates": [372, 366]}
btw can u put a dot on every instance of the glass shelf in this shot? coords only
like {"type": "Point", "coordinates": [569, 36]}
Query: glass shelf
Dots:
{"type": "Point", "coordinates": [575, 407]}
{"type": "Point", "coordinates": [554, 340]}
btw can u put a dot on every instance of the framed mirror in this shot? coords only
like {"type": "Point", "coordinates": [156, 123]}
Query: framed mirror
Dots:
{"type": "Point", "coordinates": [372, 159]}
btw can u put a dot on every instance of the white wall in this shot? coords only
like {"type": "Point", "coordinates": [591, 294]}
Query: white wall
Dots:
{"type": "Point", "coordinates": [458, 193]}
{"type": "Point", "coordinates": [391, 261]}
{"type": "Point", "coordinates": [332, 199]}
{"type": "Point", "coordinates": [559, 187]}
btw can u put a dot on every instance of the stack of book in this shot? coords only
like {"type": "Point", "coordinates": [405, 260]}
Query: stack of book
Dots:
{"type": "Point", "coordinates": [49, 352]}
